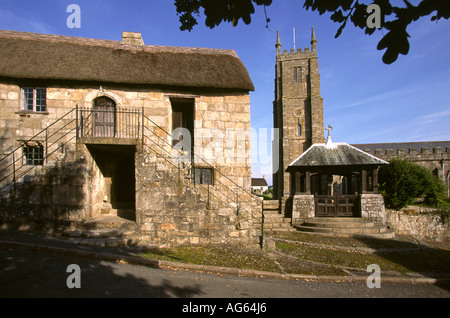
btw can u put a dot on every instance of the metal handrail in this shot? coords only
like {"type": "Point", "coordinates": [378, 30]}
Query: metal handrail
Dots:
{"type": "Point", "coordinates": [260, 201]}
{"type": "Point", "coordinates": [42, 131]}
{"type": "Point", "coordinates": [15, 173]}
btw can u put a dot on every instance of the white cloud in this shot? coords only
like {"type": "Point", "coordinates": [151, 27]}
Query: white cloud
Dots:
{"type": "Point", "coordinates": [12, 21]}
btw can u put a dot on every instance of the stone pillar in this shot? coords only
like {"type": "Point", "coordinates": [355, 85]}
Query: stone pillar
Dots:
{"type": "Point", "coordinates": [302, 208]}
{"type": "Point", "coordinates": [372, 207]}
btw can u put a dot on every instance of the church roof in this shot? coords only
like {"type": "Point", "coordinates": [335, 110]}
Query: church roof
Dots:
{"type": "Point", "coordinates": [259, 182]}
{"type": "Point", "coordinates": [31, 56]}
{"type": "Point", "coordinates": [406, 146]}
{"type": "Point", "coordinates": [333, 155]}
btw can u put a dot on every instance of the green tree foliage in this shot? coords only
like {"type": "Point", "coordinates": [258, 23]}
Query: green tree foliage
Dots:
{"type": "Point", "coordinates": [401, 182]}
{"type": "Point", "coordinates": [396, 17]}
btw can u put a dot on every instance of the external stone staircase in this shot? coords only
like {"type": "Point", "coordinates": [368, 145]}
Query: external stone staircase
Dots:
{"type": "Point", "coordinates": [273, 219]}
{"type": "Point", "coordinates": [105, 230]}
{"type": "Point", "coordinates": [345, 226]}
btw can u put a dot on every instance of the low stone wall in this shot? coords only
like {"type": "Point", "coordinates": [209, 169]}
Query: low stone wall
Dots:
{"type": "Point", "coordinates": [419, 222]}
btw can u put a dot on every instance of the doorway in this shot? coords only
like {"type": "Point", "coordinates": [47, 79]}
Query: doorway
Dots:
{"type": "Point", "coordinates": [104, 117]}
{"type": "Point", "coordinates": [114, 182]}
{"type": "Point", "coordinates": [183, 117]}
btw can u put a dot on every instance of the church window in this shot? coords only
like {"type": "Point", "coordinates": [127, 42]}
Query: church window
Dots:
{"type": "Point", "coordinates": [299, 129]}
{"type": "Point", "coordinates": [297, 74]}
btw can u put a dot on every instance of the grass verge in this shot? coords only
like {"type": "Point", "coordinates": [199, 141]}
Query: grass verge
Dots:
{"type": "Point", "coordinates": [318, 256]}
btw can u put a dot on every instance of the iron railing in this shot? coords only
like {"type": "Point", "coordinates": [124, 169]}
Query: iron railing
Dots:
{"type": "Point", "coordinates": [163, 149]}
{"type": "Point", "coordinates": [109, 122]}
{"type": "Point", "coordinates": [15, 164]}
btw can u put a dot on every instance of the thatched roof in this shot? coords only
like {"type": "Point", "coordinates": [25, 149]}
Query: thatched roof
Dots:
{"type": "Point", "coordinates": [52, 57]}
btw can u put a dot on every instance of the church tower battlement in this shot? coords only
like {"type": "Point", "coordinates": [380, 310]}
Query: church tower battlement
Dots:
{"type": "Point", "coordinates": [297, 109]}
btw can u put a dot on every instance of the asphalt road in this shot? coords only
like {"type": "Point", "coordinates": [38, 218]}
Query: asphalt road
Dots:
{"type": "Point", "coordinates": [31, 273]}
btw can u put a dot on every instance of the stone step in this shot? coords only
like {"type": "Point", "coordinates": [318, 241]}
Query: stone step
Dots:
{"type": "Point", "coordinates": [271, 205]}
{"type": "Point", "coordinates": [276, 218]}
{"type": "Point", "coordinates": [345, 227]}
{"type": "Point", "coordinates": [339, 219]}
{"type": "Point", "coordinates": [271, 212]}
{"type": "Point", "coordinates": [274, 221]}
{"type": "Point", "coordinates": [348, 224]}
{"type": "Point", "coordinates": [98, 233]}
{"type": "Point", "coordinates": [104, 230]}
{"type": "Point", "coordinates": [108, 221]}
{"type": "Point", "coordinates": [132, 240]}
{"type": "Point", "coordinates": [344, 230]}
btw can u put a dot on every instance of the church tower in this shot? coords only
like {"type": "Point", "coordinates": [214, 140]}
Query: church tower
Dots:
{"type": "Point", "coordinates": [297, 110]}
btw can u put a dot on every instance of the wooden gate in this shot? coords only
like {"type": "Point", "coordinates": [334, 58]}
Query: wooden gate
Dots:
{"type": "Point", "coordinates": [336, 205]}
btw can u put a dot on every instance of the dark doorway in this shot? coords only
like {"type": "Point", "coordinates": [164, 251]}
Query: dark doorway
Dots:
{"type": "Point", "coordinates": [116, 190]}
{"type": "Point", "coordinates": [104, 117]}
{"type": "Point", "coordinates": [125, 185]}
{"type": "Point", "coordinates": [183, 117]}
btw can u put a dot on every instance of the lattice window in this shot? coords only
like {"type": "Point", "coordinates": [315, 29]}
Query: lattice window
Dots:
{"type": "Point", "coordinates": [203, 175]}
{"type": "Point", "coordinates": [34, 99]}
{"type": "Point", "coordinates": [33, 154]}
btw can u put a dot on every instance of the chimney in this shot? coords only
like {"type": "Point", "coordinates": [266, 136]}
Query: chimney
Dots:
{"type": "Point", "coordinates": [132, 38]}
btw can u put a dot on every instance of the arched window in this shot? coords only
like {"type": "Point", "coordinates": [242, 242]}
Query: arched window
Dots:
{"type": "Point", "coordinates": [104, 117]}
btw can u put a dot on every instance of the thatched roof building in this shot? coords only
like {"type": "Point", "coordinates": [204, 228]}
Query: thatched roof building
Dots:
{"type": "Point", "coordinates": [30, 56]}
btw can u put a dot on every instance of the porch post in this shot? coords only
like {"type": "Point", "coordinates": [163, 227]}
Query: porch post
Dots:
{"type": "Point", "coordinates": [308, 182]}
{"type": "Point", "coordinates": [375, 180]}
{"type": "Point", "coordinates": [364, 181]}
{"type": "Point", "coordinates": [296, 176]}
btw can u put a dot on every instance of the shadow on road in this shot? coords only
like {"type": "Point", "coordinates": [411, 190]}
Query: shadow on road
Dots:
{"type": "Point", "coordinates": [29, 273]}
{"type": "Point", "coordinates": [417, 260]}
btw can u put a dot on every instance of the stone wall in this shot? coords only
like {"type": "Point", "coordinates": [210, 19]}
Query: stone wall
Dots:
{"type": "Point", "coordinates": [169, 207]}
{"type": "Point", "coordinates": [58, 190]}
{"type": "Point", "coordinates": [419, 222]}
{"type": "Point", "coordinates": [173, 211]}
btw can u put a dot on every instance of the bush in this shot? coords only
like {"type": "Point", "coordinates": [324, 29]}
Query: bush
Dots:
{"type": "Point", "coordinates": [401, 182]}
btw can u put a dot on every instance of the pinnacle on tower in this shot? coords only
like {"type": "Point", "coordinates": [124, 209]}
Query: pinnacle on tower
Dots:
{"type": "Point", "coordinates": [278, 44]}
{"type": "Point", "coordinates": [313, 40]}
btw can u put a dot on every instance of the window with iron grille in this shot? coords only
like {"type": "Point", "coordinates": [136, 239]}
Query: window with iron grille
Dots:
{"type": "Point", "coordinates": [34, 99]}
{"type": "Point", "coordinates": [203, 176]}
{"type": "Point", "coordinates": [33, 155]}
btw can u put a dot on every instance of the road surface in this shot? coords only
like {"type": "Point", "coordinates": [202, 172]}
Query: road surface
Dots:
{"type": "Point", "coordinates": [31, 273]}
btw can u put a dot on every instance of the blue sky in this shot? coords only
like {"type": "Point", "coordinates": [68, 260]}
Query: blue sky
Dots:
{"type": "Point", "coordinates": [365, 100]}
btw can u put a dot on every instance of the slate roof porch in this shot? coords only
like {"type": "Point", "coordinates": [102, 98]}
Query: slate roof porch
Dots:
{"type": "Point", "coordinates": [312, 174]}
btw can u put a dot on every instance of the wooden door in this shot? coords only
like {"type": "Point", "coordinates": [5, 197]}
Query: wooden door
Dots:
{"type": "Point", "coordinates": [104, 116]}
{"type": "Point", "coordinates": [183, 117]}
